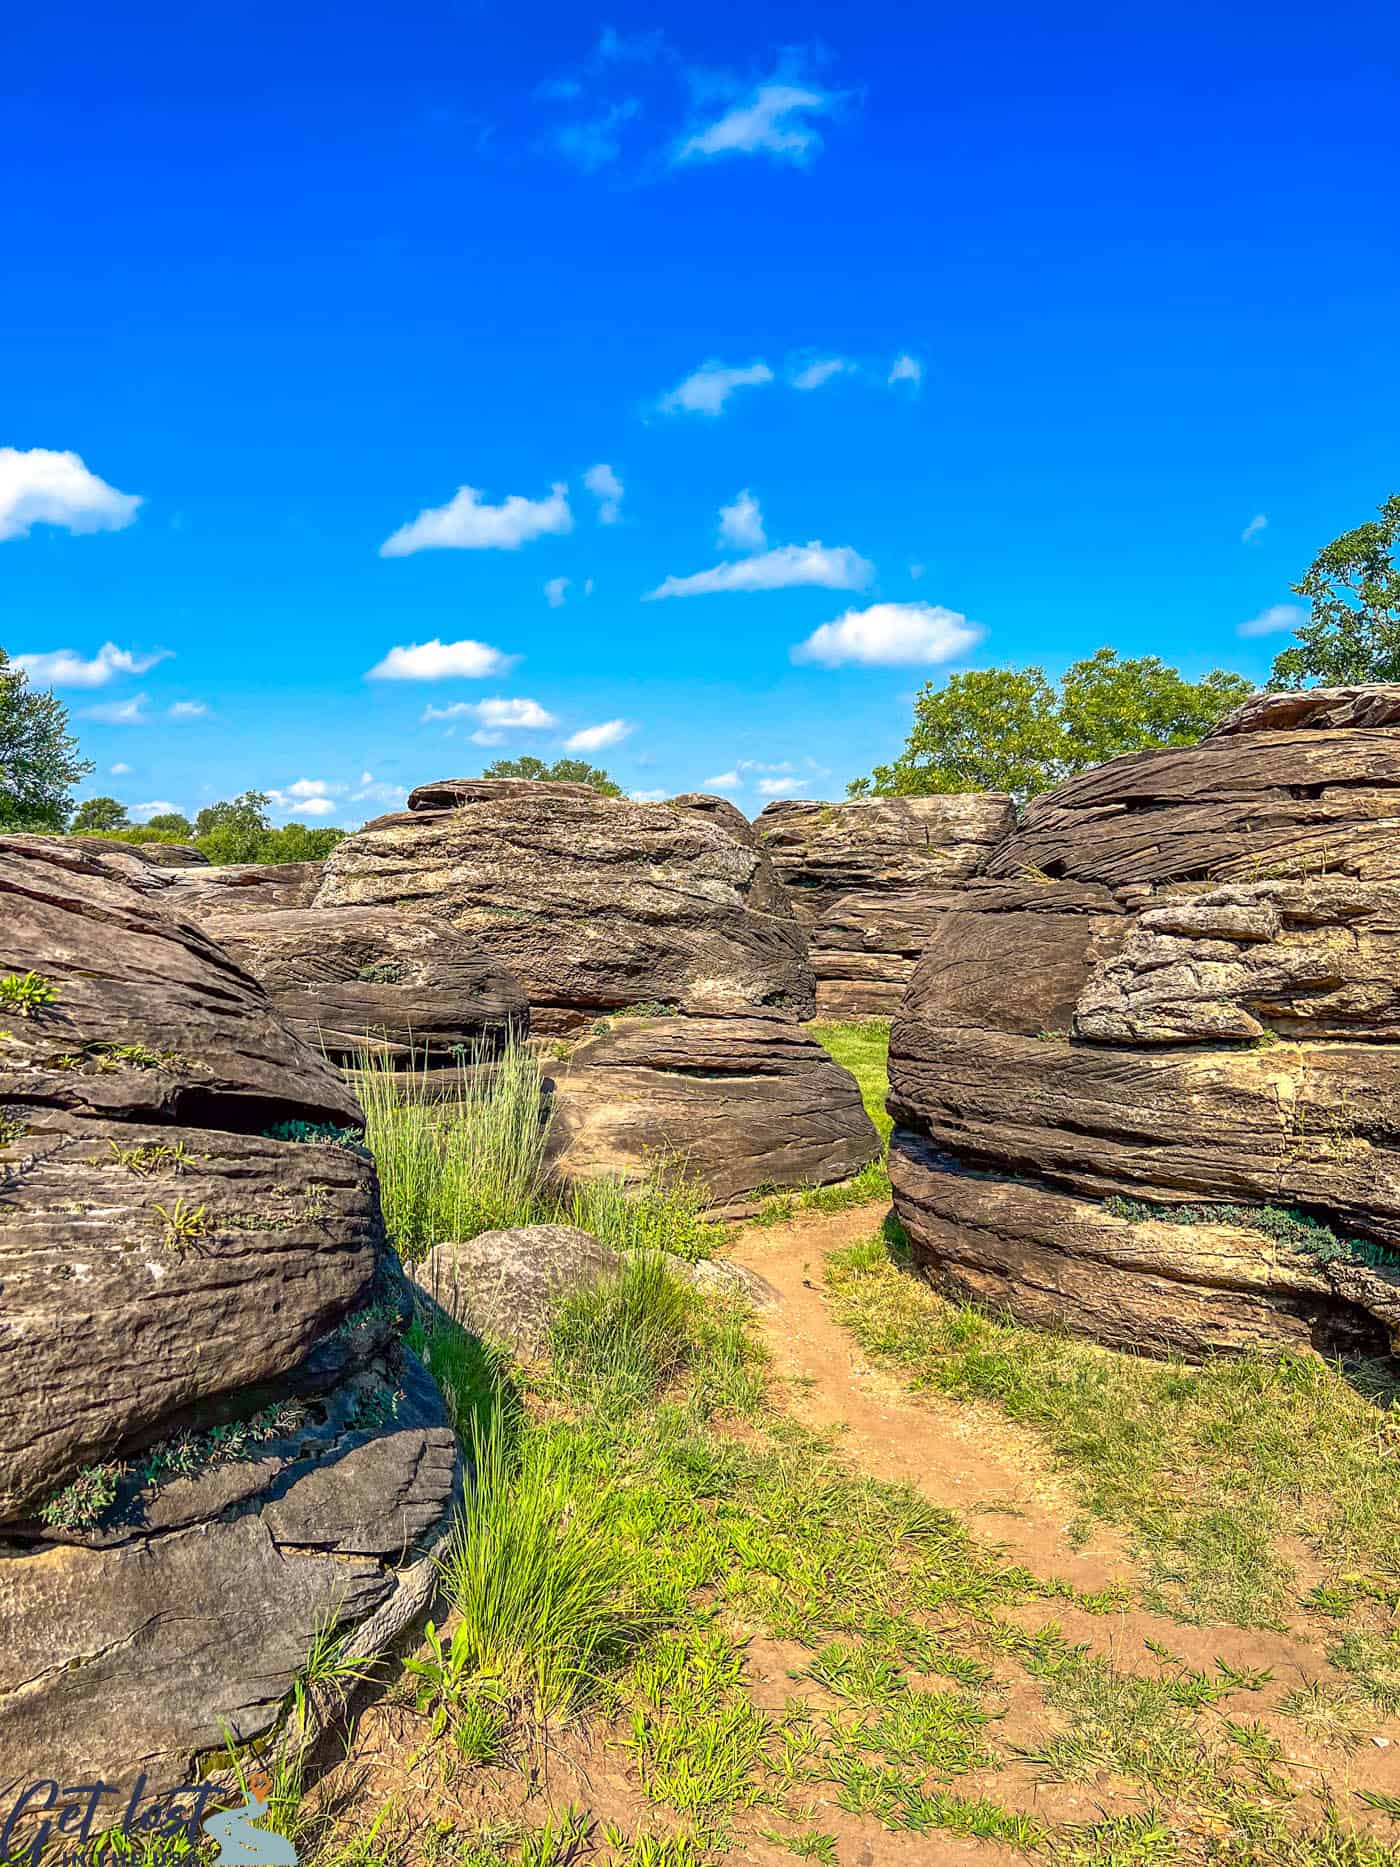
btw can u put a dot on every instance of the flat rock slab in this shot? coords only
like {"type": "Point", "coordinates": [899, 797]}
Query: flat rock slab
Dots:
{"type": "Point", "coordinates": [880, 844]}
{"type": "Point", "coordinates": [246, 887]}
{"type": "Point", "coordinates": [353, 980]}
{"type": "Point", "coordinates": [593, 903]}
{"type": "Point", "coordinates": [746, 1106]}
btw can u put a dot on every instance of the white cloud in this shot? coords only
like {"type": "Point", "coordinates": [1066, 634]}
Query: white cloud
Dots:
{"type": "Point", "coordinates": [592, 144]}
{"type": "Point", "coordinates": [120, 771]}
{"type": "Point", "coordinates": [772, 120]}
{"type": "Point", "coordinates": [813, 375]}
{"type": "Point", "coordinates": [366, 777]}
{"type": "Point", "coordinates": [786, 567]}
{"type": "Point", "coordinates": [495, 713]}
{"type": "Point", "coordinates": [554, 592]}
{"type": "Point", "coordinates": [41, 486]}
{"type": "Point", "coordinates": [441, 661]}
{"type": "Point", "coordinates": [119, 712]}
{"type": "Point", "coordinates": [308, 797]}
{"type": "Point", "coordinates": [781, 787]}
{"type": "Point", "coordinates": [188, 710]}
{"type": "Point", "coordinates": [1256, 525]}
{"type": "Point", "coordinates": [606, 488]}
{"type": "Point", "coordinates": [374, 791]}
{"type": "Point", "coordinates": [906, 369]}
{"type": "Point", "coordinates": [707, 389]}
{"type": "Point", "coordinates": [723, 781]}
{"type": "Point", "coordinates": [890, 635]}
{"type": "Point", "coordinates": [758, 764]}
{"type": "Point", "coordinates": [648, 797]}
{"type": "Point", "coordinates": [741, 525]}
{"type": "Point", "coordinates": [594, 738]}
{"type": "Point", "coordinates": [64, 667]}
{"type": "Point", "coordinates": [465, 524]}
{"type": "Point", "coordinates": [158, 807]}
{"type": "Point", "coordinates": [485, 739]}
{"type": "Point", "coordinates": [1277, 619]}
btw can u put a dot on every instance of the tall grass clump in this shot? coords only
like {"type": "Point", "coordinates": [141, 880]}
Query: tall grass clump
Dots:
{"type": "Point", "coordinates": [450, 1169]}
{"type": "Point", "coordinates": [541, 1588]}
{"type": "Point", "coordinates": [615, 1344]}
{"type": "Point", "coordinates": [663, 1213]}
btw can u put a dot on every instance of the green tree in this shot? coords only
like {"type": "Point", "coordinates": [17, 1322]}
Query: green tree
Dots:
{"type": "Point", "coordinates": [1353, 585]}
{"type": "Point", "coordinates": [99, 813]}
{"type": "Point", "coordinates": [39, 763]}
{"type": "Point", "coordinates": [1011, 729]}
{"type": "Point", "coordinates": [562, 771]}
{"type": "Point", "coordinates": [231, 831]}
{"type": "Point", "coordinates": [170, 822]}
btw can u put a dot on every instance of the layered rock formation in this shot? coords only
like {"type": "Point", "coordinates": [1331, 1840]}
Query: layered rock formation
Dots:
{"type": "Point", "coordinates": [354, 980]}
{"type": "Point", "coordinates": [865, 949]}
{"type": "Point", "coordinates": [747, 1106]}
{"type": "Point", "coordinates": [879, 845]}
{"type": "Point", "coordinates": [594, 903]}
{"type": "Point", "coordinates": [1178, 1003]}
{"type": "Point", "coordinates": [212, 1444]}
{"type": "Point", "coordinates": [246, 887]}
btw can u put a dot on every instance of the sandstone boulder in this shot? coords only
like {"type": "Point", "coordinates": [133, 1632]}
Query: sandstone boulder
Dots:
{"type": "Point", "coordinates": [199, 1324]}
{"type": "Point", "coordinates": [746, 1106]}
{"type": "Point", "coordinates": [865, 949]}
{"type": "Point", "coordinates": [153, 855]}
{"type": "Point", "coordinates": [245, 887]}
{"type": "Point", "coordinates": [874, 845]}
{"type": "Point", "coordinates": [593, 903]}
{"type": "Point", "coordinates": [1127, 1036]}
{"type": "Point", "coordinates": [351, 980]}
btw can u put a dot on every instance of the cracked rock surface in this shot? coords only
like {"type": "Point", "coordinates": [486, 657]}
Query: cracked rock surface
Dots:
{"type": "Point", "coordinates": [1175, 996]}
{"type": "Point", "coordinates": [213, 1444]}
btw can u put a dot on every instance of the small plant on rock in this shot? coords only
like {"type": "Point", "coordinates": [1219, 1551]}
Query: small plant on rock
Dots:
{"type": "Point", "coordinates": [183, 1223]}
{"type": "Point", "coordinates": [79, 1505]}
{"type": "Point", "coordinates": [27, 992]}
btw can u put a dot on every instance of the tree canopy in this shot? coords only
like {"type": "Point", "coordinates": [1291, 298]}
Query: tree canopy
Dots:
{"type": "Point", "coordinates": [39, 763]}
{"type": "Point", "coordinates": [1353, 586]}
{"type": "Point", "coordinates": [99, 813]}
{"type": "Point", "coordinates": [170, 823]}
{"type": "Point", "coordinates": [562, 771]}
{"type": "Point", "coordinates": [1012, 729]}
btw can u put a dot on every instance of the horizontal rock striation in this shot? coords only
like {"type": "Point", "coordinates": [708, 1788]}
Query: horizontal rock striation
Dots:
{"type": "Point", "coordinates": [894, 845]}
{"type": "Point", "coordinates": [354, 980]}
{"type": "Point", "coordinates": [746, 1106]}
{"type": "Point", "coordinates": [213, 1444]}
{"type": "Point", "coordinates": [1135, 1022]}
{"type": "Point", "coordinates": [593, 903]}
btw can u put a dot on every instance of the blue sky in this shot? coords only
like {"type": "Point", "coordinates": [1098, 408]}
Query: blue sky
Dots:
{"type": "Point", "coordinates": [1113, 293]}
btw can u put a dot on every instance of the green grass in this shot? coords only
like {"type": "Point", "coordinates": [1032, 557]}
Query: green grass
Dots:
{"type": "Point", "coordinates": [476, 1163]}
{"type": "Point", "coordinates": [863, 1048]}
{"type": "Point", "coordinates": [1215, 1470]}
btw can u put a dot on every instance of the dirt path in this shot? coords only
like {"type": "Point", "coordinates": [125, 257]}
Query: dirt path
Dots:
{"type": "Point", "coordinates": [967, 1459]}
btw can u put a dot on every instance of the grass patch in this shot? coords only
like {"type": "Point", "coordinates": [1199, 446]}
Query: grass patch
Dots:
{"type": "Point", "coordinates": [863, 1048]}
{"type": "Point", "coordinates": [1214, 1469]}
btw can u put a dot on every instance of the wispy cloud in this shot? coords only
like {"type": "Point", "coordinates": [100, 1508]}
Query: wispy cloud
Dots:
{"type": "Point", "coordinates": [119, 712]}
{"type": "Point", "coordinates": [890, 635]}
{"type": "Point", "coordinates": [441, 661]}
{"type": "Point", "coordinates": [607, 489]}
{"type": "Point", "coordinates": [781, 787]}
{"type": "Point", "coordinates": [813, 375]}
{"type": "Point", "coordinates": [741, 524]}
{"type": "Point", "coordinates": [707, 389]}
{"type": "Point", "coordinates": [906, 369]}
{"type": "Point", "coordinates": [649, 797]}
{"type": "Point", "coordinates": [785, 568]}
{"type": "Point", "coordinates": [308, 797]}
{"type": "Point", "coordinates": [374, 790]}
{"type": "Point", "coordinates": [64, 667]}
{"type": "Point", "coordinates": [595, 143]}
{"type": "Point", "coordinates": [41, 486]}
{"type": "Point", "coordinates": [771, 119]}
{"type": "Point", "coordinates": [187, 710]}
{"type": "Point", "coordinates": [1277, 619]}
{"type": "Point", "coordinates": [618, 48]}
{"type": "Point", "coordinates": [495, 714]}
{"type": "Point", "coordinates": [154, 807]}
{"type": "Point", "coordinates": [466, 524]}
{"type": "Point", "coordinates": [555, 592]}
{"type": "Point", "coordinates": [1256, 525]}
{"type": "Point", "coordinates": [723, 781]}
{"type": "Point", "coordinates": [119, 770]}
{"type": "Point", "coordinates": [595, 738]}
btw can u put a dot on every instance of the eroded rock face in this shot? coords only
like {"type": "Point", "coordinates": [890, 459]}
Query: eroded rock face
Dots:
{"type": "Point", "coordinates": [246, 887]}
{"type": "Point", "coordinates": [593, 903]}
{"type": "Point", "coordinates": [199, 1323]}
{"type": "Point", "coordinates": [352, 980]}
{"type": "Point", "coordinates": [1129, 1021]}
{"type": "Point", "coordinates": [879, 845]}
{"type": "Point", "coordinates": [865, 949]}
{"type": "Point", "coordinates": [741, 1104]}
